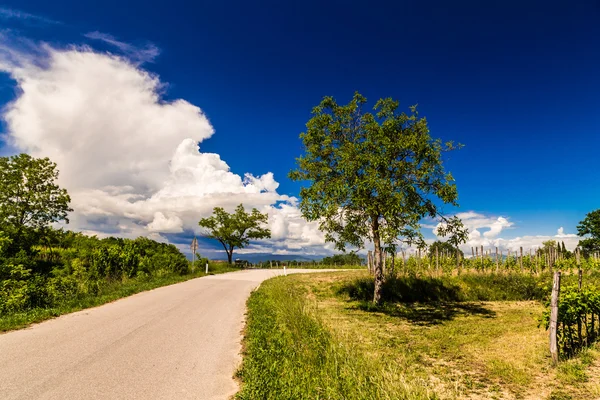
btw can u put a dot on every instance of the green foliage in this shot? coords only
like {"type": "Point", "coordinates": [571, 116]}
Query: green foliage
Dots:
{"type": "Point", "coordinates": [235, 230]}
{"type": "Point", "coordinates": [368, 168]}
{"type": "Point", "coordinates": [465, 287]}
{"type": "Point", "coordinates": [343, 259]}
{"type": "Point", "coordinates": [29, 196]}
{"type": "Point", "coordinates": [578, 317]}
{"type": "Point", "coordinates": [373, 176]}
{"type": "Point", "coordinates": [590, 226]}
{"type": "Point", "coordinates": [69, 265]}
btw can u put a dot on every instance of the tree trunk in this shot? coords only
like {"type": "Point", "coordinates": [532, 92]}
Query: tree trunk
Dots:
{"type": "Point", "coordinates": [230, 256]}
{"type": "Point", "coordinates": [378, 270]}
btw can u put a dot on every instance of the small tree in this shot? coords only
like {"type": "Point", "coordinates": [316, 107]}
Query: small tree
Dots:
{"type": "Point", "coordinates": [372, 176]}
{"type": "Point", "coordinates": [29, 195]}
{"type": "Point", "coordinates": [235, 230]}
{"type": "Point", "coordinates": [590, 227]}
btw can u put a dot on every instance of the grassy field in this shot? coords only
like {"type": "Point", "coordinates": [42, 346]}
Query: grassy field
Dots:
{"type": "Point", "coordinates": [317, 336]}
{"type": "Point", "coordinates": [107, 294]}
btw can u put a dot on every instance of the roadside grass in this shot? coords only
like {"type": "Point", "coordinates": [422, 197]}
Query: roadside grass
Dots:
{"type": "Point", "coordinates": [318, 336]}
{"type": "Point", "coordinates": [108, 293]}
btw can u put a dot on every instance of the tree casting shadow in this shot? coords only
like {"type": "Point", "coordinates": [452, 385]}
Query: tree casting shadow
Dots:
{"type": "Point", "coordinates": [432, 313]}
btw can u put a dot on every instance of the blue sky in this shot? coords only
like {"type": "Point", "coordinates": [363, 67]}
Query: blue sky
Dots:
{"type": "Point", "coordinates": [516, 82]}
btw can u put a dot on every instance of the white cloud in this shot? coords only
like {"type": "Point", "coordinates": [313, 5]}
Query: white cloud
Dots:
{"type": "Point", "coordinates": [130, 160]}
{"type": "Point", "coordinates": [494, 226]}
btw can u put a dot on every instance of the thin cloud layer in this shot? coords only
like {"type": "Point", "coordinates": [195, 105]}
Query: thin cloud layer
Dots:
{"type": "Point", "coordinates": [11, 13]}
{"type": "Point", "coordinates": [146, 53]}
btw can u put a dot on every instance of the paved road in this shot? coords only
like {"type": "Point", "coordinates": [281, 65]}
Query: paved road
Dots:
{"type": "Point", "coordinates": [175, 342]}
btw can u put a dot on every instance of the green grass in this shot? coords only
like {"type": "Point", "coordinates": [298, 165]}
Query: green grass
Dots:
{"type": "Point", "coordinates": [318, 336]}
{"type": "Point", "coordinates": [290, 354]}
{"type": "Point", "coordinates": [108, 293]}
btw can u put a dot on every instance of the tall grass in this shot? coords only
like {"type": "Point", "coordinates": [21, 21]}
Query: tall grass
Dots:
{"type": "Point", "coordinates": [107, 293]}
{"type": "Point", "coordinates": [289, 354]}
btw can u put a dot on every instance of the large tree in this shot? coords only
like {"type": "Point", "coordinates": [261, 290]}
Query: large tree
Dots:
{"type": "Point", "coordinates": [235, 230]}
{"type": "Point", "coordinates": [29, 195]}
{"type": "Point", "coordinates": [372, 176]}
{"type": "Point", "coordinates": [590, 227]}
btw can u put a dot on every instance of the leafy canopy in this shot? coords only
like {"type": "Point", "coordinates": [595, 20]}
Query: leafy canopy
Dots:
{"type": "Point", "coordinates": [372, 175]}
{"type": "Point", "coordinates": [29, 195]}
{"type": "Point", "coordinates": [590, 227]}
{"type": "Point", "coordinates": [235, 230]}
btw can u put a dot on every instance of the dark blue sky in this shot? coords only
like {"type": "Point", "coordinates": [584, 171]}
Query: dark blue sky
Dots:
{"type": "Point", "coordinates": [517, 82]}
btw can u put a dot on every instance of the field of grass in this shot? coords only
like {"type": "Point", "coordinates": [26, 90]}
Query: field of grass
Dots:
{"type": "Point", "coordinates": [107, 294]}
{"type": "Point", "coordinates": [318, 336]}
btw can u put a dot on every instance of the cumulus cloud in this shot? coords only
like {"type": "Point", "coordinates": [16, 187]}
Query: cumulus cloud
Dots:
{"type": "Point", "coordinates": [131, 160]}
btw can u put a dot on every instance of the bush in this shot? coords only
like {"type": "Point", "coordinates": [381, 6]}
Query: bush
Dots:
{"type": "Point", "coordinates": [466, 287]}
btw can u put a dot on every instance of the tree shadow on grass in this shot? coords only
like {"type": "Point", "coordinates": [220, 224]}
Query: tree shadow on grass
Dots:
{"type": "Point", "coordinates": [419, 300]}
{"type": "Point", "coordinates": [425, 314]}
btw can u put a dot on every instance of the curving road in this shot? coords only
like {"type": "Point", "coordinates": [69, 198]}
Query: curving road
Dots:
{"type": "Point", "coordinates": [175, 342]}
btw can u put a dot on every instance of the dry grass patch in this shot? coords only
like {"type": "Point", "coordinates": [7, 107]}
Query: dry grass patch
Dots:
{"type": "Point", "coordinates": [459, 350]}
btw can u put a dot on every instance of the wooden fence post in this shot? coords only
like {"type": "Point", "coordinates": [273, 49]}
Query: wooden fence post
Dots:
{"type": "Point", "coordinates": [521, 259]}
{"type": "Point", "coordinates": [580, 272]}
{"type": "Point", "coordinates": [457, 259]}
{"type": "Point", "coordinates": [554, 317]}
{"type": "Point", "coordinates": [403, 260]}
{"type": "Point", "coordinates": [497, 265]}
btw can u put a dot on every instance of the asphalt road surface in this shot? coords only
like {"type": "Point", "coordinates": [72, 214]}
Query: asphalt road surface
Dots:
{"type": "Point", "coordinates": [176, 342]}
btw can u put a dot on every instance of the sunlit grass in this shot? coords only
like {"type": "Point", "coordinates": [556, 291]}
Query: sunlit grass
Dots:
{"type": "Point", "coordinates": [442, 349]}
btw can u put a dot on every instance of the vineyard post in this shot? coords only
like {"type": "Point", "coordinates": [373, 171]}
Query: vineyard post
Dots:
{"type": "Point", "coordinates": [370, 261]}
{"type": "Point", "coordinates": [472, 252]}
{"type": "Point", "coordinates": [383, 256]}
{"type": "Point", "coordinates": [497, 265]}
{"type": "Point", "coordinates": [437, 259]}
{"type": "Point", "coordinates": [457, 258]}
{"type": "Point", "coordinates": [554, 317]}
{"type": "Point", "coordinates": [521, 259]}
{"type": "Point", "coordinates": [403, 260]}
{"type": "Point", "coordinates": [530, 259]}
{"type": "Point", "coordinates": [579, 272]}
{"type": "Point", "coordinates": [481, 257]}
